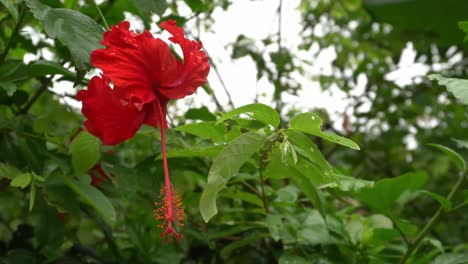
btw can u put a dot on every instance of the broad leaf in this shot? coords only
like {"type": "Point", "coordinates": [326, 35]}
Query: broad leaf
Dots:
{"type": "Point", "coordinates": [260, 112]}
{"type": "Point", "coordinates": [9, 87]}
{"type": "Point", "coordinates": [80, 33]}
{"type": "Point", "coordinates": [310, 123]}
{"type": "Point", "coordinates": [84, 151]}
{"type": "Point", "coordinates": [458, 87]}
{"type": "Point", "coordinates": [209, 152]}
{"type": "Point", "coordinates": [456, 158]}
{"type": "Point", "coordinates": [309, 189]}
{"type": "Point", "coordinates": [225, 166]}
{"type": "Point", "coordinates": [385, 193]}
{"type": "Point", "coordinates": [95, 198]}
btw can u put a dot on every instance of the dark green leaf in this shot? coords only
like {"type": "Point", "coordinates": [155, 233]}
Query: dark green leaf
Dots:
{"type": "Point", "coordinates": [225, 166]}
{"type": "Point", "coordinates": [78, 32]}
{"type": "Point", "coordinates": [94, 198]}
{"type": "Point", "coordinates": [384, 194]}
{"type": "Point", "coordinates": [260, 112]}
{"type": "Point", "coordinates": [310, 123]}
{"type": "Point", "coordinates": [446, 204]}
{"type": "Point", "coordinates": [11, 8]}
{"type": "Point", "coordinates": [42, 68]}
{"type": "Point", "coordinates": [9, 87]}
{"type": "Point", "coordinates": [84, 151]}
{"type": "Point", "coordinates": [210, 152]}
{"type": "Point", "coordinates": [309, 189]}
{"type": "Point", "coordinates": [147, 7]}
{"type": "Point", "coordinates": [456, 158]}
{"type": "Point", "coordinates": [200, 114]}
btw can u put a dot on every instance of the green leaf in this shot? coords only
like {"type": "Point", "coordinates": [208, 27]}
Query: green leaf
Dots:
{"type": "Point", "coordinates": [456, 158]}
{"type": "Point", "coordinates": [260, 112]}
{"type": "Point", "coordinates": [200, 114]}
{"type": "Point", "coordinates": [21, 180]}
{"type": "Point", "coordinates": [463, 25]}
{"type": "Point", "coordinates": [225, 166]}
{"type": "Point", "coordinates": [228, 250]}
{"type": "Point", "coordinates": [9, 172]}
{"type": "Point", "coordinates": [458, 87]}
{"type": "Point", "coordinates": [306, 148]}
{"type": "Point", "coordinates": [9, 87]}
{"type": "Point", "coordinates": [210, 152]}
{"type": "Point", "coordinates": [42, 68]}
{"type": "Point", "coordinates": [208, 129]}
{"type": "Point", "coordinates": [195, 5]}
{"type": "Point", "coordinates": [451, 258]}
{"type": "Point", "coordinates": [84, 151]}
{"type": "Point", "coordinates": [309, 189]}
{"type": "Point", "coordinates": [80, 33]}
{"type": "Point", "coordinates": [310, 123]}
{"type": "Point", "coordinates": [384, 194]}
{"type": "Point", "coordinates": [446, 204]}
{"type": "Point", "coordinates": [95, 198]}
{"type": "Point", "coordinates": [147, 7]}
{"type": "Point", "coordinates": [11, 8]}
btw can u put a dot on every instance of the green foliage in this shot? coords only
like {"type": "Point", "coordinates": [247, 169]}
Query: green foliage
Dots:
{"type": "Point", "coordinates": [282, 188]}
{"type": "Point", "coordinates": [226, 164]}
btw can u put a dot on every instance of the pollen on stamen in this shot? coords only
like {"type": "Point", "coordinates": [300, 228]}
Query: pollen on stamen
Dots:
{"type": "Point", "coordinates": [169, 210]}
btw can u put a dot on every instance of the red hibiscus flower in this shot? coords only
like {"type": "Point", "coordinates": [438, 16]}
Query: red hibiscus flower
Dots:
{"type": "Point", "coordinates": [145, 75]}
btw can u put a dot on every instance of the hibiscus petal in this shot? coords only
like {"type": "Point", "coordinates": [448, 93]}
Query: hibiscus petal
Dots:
{"type": "Point", "coordinates": [127, 61]}
{"type": "Point", "coordinates": [110, 117]}
{"type": "Point", "coordinates": [194, 70]}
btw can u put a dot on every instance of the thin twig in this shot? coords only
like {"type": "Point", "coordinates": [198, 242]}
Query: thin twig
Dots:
{"type": "Point", "coordinates": [415, 243]}
{"type": "Point", "coordinates": [14, 33]}
{"type": "Point", "coordinates": [220, 78]}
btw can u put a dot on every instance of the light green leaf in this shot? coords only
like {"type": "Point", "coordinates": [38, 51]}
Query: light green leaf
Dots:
{"type": "Point", "coordinates": [458, 87]}
{"type": "Point", "coordinates": [85, 151]}
{"type": "Point", "coordinates": [310, 123]}
{"type": "Point", "coordinates": [225, 166]}
{"type": "Point", "coordinates": [207, 129]}
{"type": "Point", "coordinates": [95, 198]}
{"type": "Point", "coordinates": [9, 87]}
{"type": "Point", "coordinates": [9, 172]}
{"type": "Point", "coordinates": [11, 8]}
{"type": "Point", "coordinates": [384, 194]}
{"type": "Point", "coordinates": [451, 258]}
{"type": "Point", "coordinates": [260, 112]}
{"type": "Point", "coordinates": [80, 33]}
{"type": "Point", "coordinates": [456, 158]}
{"type": "Point", "coordinates": [306, 148]}
{"type": "Point", "coordinates": [446, 204]}
{"type": "Point", "coordinates": [21, 180]}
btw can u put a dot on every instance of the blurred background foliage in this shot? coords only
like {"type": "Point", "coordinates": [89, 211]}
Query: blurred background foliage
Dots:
{"type": "Point", "coordinates": [86, 203]}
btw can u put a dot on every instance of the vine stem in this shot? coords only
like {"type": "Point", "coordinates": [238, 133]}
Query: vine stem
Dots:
{"type": "Point", "coordinates": [14, 33]}
{"type": "Point", "coordinates": [415, 243]}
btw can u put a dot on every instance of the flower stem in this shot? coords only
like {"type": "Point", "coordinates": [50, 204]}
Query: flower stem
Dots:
{"type": "Point", "coordinates": [415, 243]}
{"type": "Point", "coordinates": [102, 16]}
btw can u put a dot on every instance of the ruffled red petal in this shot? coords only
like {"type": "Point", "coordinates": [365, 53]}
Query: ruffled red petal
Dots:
{"type": "Point", "coordinates": [136, 62]}
{"type": "Point", "coordinates": [194, 70]}
{"type": "Point", "coordinates": [111, 117]}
